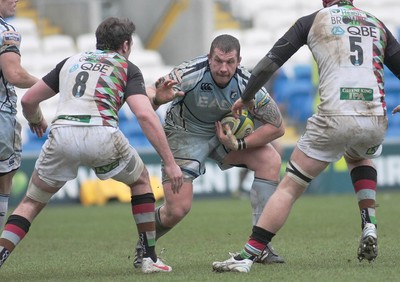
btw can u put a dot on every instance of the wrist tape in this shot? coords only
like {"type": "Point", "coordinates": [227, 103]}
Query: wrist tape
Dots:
{"type": "Point", "coordinates": [36, 118]}
{"type": "Point", "coordinates": [155, 102]}
{"type": "Point", "coordinates": [241, 144]}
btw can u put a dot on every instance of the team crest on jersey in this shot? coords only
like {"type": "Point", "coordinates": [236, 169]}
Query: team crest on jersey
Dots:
{"type": "Point", "coordinates": [206, 87]}
{"type": "Point", "coordinates": [74, 68]}
{"type": "Point", "coordinates": [234, 95]}
{"type": "Point", "coordinates": [337, 30]}
{"type": "Point", "coordinates": [335, 11]}
{"type": "Point", "coordinates": [11, 38]}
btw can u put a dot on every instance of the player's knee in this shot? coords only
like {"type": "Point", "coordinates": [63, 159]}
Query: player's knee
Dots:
{"type": "Point", "coordinates": [276, 161]}
{"type": "Point", "coordinates": [135, 175]}
{"type": "Point", "coordinates": [37, 194]}
{"type": "Point", "coordinates": [269, 159]}
{"type": "Point", "coordinates": [178, 211]}
{"type": "Point", "coordinates": [298, 175]}
{"type": "Point", "coordinates": [183, 210]}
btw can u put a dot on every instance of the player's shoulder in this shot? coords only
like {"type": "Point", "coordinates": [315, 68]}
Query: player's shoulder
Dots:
{"type": "Point", "coordinates": [4, 25]}
{"type": "Point", "coordinates": [190, 72]}
{"type": "Point", "coordinates": [195, 64]}
{"type": "Point", "coordinates": [133, 67]}
{"type": "Point", "coordinates": [242, 74]}
{"type": "Point", "coordinates": [262, 98]}
{"type": "Point", "coordinates": [8, 34]}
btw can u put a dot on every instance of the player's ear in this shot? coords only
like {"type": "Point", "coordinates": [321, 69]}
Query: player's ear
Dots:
{"type": "Point", "coordinates": [126, 46]}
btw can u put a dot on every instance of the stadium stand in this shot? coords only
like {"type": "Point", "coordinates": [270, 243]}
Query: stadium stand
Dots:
{"type": "Point", "coordinates": [263, 22]}
{"type": "Point", "coordinates": [85, 41]}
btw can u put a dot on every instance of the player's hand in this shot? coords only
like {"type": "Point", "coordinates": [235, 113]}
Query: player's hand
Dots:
{"type": "Point", "coordinates": [166, 91]}
{"type": "Point", "coordinates": [396, 110]}
{"type": "Point", "coordinates": [239, 105]}
{"type": "Point", "coordinates": [40, 128]}
{"type": "Point", "coordinates": [175, 175]}
{"type": "Point", "coordinates": [226, 137]}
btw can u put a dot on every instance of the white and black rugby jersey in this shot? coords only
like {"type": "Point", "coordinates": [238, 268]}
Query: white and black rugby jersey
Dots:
{"type": "Point", "coordinates": [205, 102]}
{"type": "Point", "coordinates": [93, 86]}
{"type": "Point", "coordinates": [350, 47]}
{"type": "Point", "coordinates": [10, 41]}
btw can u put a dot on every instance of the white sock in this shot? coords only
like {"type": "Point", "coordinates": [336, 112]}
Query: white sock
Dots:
{"type": "Point", "coordinates": [260, 192]}
{"type": "Point", "coordinates": [3, 209]}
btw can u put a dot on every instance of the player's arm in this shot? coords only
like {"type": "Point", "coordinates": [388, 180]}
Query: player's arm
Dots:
{"type": "Point", "coordinates": [163, 91]}
{"type": "Point", "coordinates": [392, 59]}
{"type": "Point", "coordinates": [152, 129]}
{"type": "Point", "coordinates": [260, 75]}
{"type": "Point", "coordinates": [42, 90]}
{"type": "Point", "coordinates": [13, 72]}
{"type": "Point", "coordinates": [282, 50]}
{"type": "Point", "coordinates": [166, 88]}
{"type": "Point", "coordinates": [30, 103]}
{"type": "Point", "coordinates": [267, 113]}
{"type": "Point", "coordinates": [393, 63]}
{"type": "Point", "coordinates": [263, 135]}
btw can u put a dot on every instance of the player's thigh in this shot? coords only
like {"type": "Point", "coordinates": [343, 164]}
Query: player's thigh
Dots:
{"type": "Point", "coordinates": [181, 200]}
{"type": "Point", "coordinates": [10, 143]}
{"type": "Point", "coordinates": [135, 175]}
{"type": "Point", "coordinates": [253, 158]}
{"type": "Point", "coordinates": [6, 182]}
{"type": "Point", "coordinates": [102, 148]}
{"type": "Point", "coordinates": [367, 142]}
{"type": "Point", "coordinates": [110, 155]}
{"type": "Point", "coordinates": [308, 165]}
{"type": "Point", "coordinates": [265, 161]}
{"type": "Point", "coordinates": [190, 152]}
{"type": "Point", "coordinates": [58, 160]}
{"type": "Point", "coordinates": [326, 136]}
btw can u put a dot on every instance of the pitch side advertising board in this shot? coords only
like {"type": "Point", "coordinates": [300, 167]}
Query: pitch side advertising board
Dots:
{"type": "Point", "coordinates": [216, 183]}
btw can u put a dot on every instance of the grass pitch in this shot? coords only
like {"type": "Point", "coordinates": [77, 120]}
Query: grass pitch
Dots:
{"type": "Point", "coordinates": [319, 243]}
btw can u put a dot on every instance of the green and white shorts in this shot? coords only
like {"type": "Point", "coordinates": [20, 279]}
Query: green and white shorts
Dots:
{"type": "Point", "coordinates": [328, 138]}
{"type": "Point", "coordinates": [10, 143]}
{"type": "Point", "coordinates": [191, 151]}
{"type": "Point", "coordinates": [104, 149]}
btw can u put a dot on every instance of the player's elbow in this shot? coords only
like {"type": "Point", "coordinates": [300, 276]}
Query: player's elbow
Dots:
{"type": "Point", "coordinates": [144, 116]}
{"type": "Point", "coordinates": [19, 78]}
{"type": "Point", "coordinates": [280, 130]}
{"type": "Point", "coordinates": [26, 102]}
{"type": "Point", "coordinates": [13, 77]}
{"type": "Point", "coordinates": [147, 118]}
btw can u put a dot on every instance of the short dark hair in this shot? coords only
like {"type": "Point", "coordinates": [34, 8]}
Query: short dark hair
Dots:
{"type": "Point", "coordinates": [225, 43]}
{"type": "Point", "coordinates": [113, 32]}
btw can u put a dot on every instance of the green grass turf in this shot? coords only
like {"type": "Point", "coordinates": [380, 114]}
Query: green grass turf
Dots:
{"type": "Point", "coordinates": [319, 243]}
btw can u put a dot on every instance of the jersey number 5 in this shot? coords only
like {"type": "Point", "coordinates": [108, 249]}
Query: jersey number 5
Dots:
{"type": "Point", "coordinates": [357, 59]}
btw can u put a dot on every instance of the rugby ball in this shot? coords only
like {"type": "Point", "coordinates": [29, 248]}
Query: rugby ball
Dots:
{"type": "Point", "coordinates": [242, 126]}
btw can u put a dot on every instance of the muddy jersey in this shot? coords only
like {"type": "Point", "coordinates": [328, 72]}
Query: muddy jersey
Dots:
{"type": "Point", "coordinates": [93, 86]}
{"type": "Point", "coordinates": [349, 46]}
{"type": "Point", "coordinates": [204, 101]}
{"type": "Point", "coordinates": [10, 41]}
